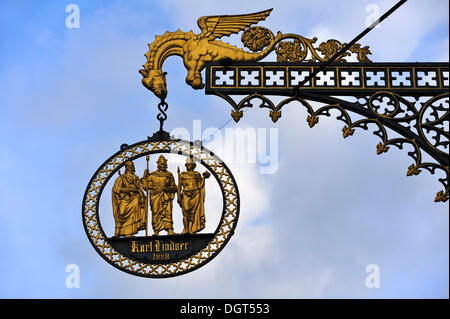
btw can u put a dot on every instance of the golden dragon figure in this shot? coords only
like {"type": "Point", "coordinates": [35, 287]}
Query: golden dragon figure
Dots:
{"type": "Point", "coordinates": [197, 49]}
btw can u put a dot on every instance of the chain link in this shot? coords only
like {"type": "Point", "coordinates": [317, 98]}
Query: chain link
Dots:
{"type": "Point", "coordinates": [162, 116]}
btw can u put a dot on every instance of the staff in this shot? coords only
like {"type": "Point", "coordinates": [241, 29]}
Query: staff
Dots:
{"type": "Point", "coordinates": [148, 201]}
{"type": "Point", "coordinates": [179, 188]}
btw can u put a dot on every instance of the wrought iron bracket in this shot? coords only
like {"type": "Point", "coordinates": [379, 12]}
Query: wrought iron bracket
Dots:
{"type": "Point", "coordinates": [410, 99]}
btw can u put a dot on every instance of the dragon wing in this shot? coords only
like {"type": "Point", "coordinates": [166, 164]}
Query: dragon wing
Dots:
{"type": "Point", "coordinates": [218, 26]}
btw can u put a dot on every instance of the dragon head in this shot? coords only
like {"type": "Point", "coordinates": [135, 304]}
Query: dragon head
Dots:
{"type": "Point", "coordinates": [155, 81]}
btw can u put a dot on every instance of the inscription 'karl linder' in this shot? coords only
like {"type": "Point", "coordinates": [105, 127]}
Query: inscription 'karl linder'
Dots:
{"type": "Point", "coordinates": [158, 246]}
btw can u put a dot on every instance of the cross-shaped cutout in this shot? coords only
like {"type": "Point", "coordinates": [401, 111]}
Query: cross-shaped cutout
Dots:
{"type": "Point", "coordinates": [325, 78]}
{"type": "Point", "coordinates": [375, 78]}
{"type": "Point", "coordinates": [297, 77]}
{"type": "Point", "coordinates": [222, 77]}
{"type": "Point", "coordinates": [274, 78]}
{"type": "Point", "coordinates": [445, 75]}
{"type": "Point", "coordinates": [425, 78]}
{"type": "Point", "coordinates": [350, 78]}
{"type": "Point", "coordinates": [250, 78]}
{"type": "Point", "coordinates": [400, 78]}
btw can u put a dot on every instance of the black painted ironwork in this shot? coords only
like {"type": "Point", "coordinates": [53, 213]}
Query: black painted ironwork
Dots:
{"type": "Point", "coordinates": [162, 115]}
{"type": "Point", "coordinates": [410, 99]}
{"type": "Point", "coordinates": [352, 79]}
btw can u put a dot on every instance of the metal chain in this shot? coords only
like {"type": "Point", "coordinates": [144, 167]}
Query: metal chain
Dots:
{"type": "Point", "coordinates": [162, 116]}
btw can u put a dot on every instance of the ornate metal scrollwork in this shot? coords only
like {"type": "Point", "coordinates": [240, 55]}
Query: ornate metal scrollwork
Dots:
{"type": "Point", "coordinates": [392, 93]}
{"type": "Point", "coordinates": [199, 49]}
{"type": "Point", "coordinates": [385, 110]}
{"type": "Point", "coordinates": [297, 50]}
{"type": "Point", "coordinates": [410, 99]}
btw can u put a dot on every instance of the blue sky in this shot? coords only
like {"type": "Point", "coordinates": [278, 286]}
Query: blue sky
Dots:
{"type": "Point", "coordinates": [71, 97]}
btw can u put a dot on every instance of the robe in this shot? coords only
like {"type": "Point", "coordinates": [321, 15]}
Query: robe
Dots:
{"type": "Point", "coordinates": [192, 202]}
{"type": "Point", "coordinates": [162, 192]}
{"type": "Point", "coordinates": [129, 205]}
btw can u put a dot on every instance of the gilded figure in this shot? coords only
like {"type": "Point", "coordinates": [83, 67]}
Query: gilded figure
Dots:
{"type": "Point", "coordinates": [129, 203]}
{"type": "Point", "coordinates": [191, 197]}
{"type": "Point", "coordinates": [161, 187]}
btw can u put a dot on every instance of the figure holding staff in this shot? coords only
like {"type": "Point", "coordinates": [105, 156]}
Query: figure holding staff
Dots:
{"type": "Point", "coordinates": [191, 197]}
{"type": "Point", "coordinates": [161, 191]}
